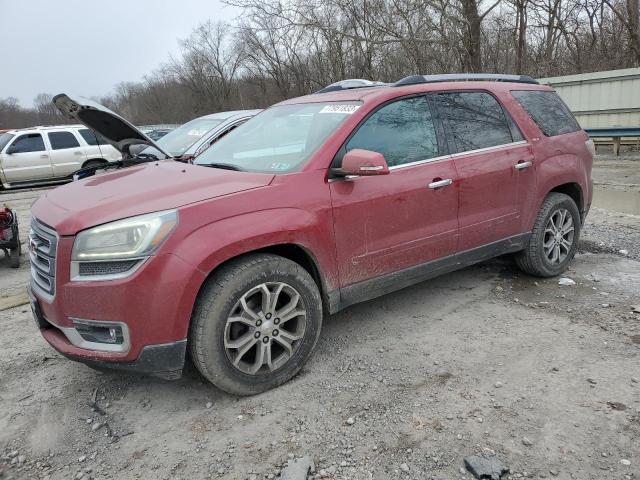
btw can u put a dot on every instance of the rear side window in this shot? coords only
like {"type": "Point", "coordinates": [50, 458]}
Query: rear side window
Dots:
{"type": "Point", "coordinates": [476, 120]}
{"type": "Point", "coordinates": [31, 142]}
{"type": "Point", "coordinates": [91, 138]}
{"type": "Point", "coordinates": [62, 140]}
{"type": "Point", "coordinates": [548, 111]}
{"type": "Point", "coordinates": [402, 131]}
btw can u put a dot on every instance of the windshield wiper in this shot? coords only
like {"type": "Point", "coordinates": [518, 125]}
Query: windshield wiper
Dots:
{"type": "Point", "coordinates": [224, 166]}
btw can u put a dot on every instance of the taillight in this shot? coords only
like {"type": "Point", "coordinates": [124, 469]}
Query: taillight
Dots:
{"type": "Point", "coordinates": [591, 147]}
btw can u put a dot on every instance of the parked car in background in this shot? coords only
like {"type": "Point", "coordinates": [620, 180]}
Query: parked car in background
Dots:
{"type": "Point", "coordinates": [192, 138]}
{"type": "Point", "coordinates": [313, 205]}
{"type": "Point", "coordinates": [39, 155]}
{"type": "Point", "coordinates": [158, 133]}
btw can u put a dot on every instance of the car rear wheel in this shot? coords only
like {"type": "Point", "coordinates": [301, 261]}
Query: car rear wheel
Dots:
{"type": "Point", "coordinates": [554, 239]}
{"type": "Point", "coordinates": [255, 324]}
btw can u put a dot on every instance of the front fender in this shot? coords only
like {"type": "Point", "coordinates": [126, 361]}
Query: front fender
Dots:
{"type": "Point", "coordinates": [213, 244]}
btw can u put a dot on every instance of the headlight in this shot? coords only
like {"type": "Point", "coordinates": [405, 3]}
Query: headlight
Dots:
{"type": "Point", "coordinates": [115, 248]}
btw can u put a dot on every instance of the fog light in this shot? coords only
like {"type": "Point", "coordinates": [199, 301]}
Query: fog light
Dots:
{"type": "Point", "coordinates": [100, 333]}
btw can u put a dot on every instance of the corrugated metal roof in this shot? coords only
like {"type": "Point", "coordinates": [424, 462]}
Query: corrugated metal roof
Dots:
{"type": "Point", "coordinates": [594, 76]}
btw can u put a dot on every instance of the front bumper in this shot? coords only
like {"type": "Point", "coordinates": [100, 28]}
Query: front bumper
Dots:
{"type": "Point", "coordinates": [153, 306]}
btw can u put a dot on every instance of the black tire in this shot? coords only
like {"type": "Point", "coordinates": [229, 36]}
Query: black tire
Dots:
{"type": "Point", "coordinates": [532, 259]}
{"type": "Point", "coordinates": [221, 294]}
{"type": "Point", "coordinates": [94, 163]}
{"type": "Point", "coordinates": [14, 256]}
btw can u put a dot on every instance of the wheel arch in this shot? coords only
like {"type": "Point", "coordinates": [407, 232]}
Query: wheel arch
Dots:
{"type": "Point", "coordinates": [98, 159]}
{"type": "Point", "coordinates": [573, 190]}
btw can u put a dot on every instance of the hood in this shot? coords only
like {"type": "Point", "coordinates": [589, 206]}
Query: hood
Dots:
{"type": "Point", "coordinates": [115, 129]}
{"type": "Point", "coordinates": [149, 187]}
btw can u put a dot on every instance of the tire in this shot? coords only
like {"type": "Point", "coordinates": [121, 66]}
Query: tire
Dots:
{"type": "Point", "coordinates": [94, 163]}
{"type": "Point", "coordinates": [14, 256]}
{"type": "Point", "coordinates": [220, 320]}
{"type": "Point", "coordinates": [537, 259]}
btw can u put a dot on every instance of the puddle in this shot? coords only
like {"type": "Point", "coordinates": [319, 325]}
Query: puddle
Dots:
{"type": "Point", "coordinates": [616, 200]}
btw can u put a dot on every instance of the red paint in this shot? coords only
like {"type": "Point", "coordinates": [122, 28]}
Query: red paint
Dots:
{"type": "Point", "coordinates": [354, 229]}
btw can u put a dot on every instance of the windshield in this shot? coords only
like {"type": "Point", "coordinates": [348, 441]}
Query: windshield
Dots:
{"type": "Point", "coordinates": [4, 139]}
{"type": "Point", "coordinates": [177, 141]}
{"type": "Point", "coordinates": [280, 139]}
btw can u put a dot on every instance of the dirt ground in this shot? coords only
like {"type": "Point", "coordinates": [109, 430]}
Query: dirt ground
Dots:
{"type": "Point", "coordinates": [405, 386]}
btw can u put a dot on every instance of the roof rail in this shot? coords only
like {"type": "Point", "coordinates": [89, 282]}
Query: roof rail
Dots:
{"type": "Point", "coordinates": [464, 77]}
{"type": "Point", "coordinates": [349, 84]}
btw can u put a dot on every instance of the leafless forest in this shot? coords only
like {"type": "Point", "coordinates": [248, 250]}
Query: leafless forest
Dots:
{"type": "Point", "coordinates": [283, 48]}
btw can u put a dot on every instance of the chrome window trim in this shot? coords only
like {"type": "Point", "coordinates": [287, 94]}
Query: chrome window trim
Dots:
{"type": "Point", "coordinates": [443, 157]}
{"type": "Point", "coordinates": [76, 277]}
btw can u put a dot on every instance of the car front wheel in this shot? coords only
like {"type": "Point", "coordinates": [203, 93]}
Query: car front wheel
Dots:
{"type": "Point", "coordinates": [255, 324]}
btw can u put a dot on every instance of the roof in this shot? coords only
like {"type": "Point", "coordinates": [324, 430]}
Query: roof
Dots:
{"type": "Point", "coordinates": [229, 114]}
{"type": "Point", "coordinates": [40, 128]}
{"type": "Point", "coordinates": [382, 93]}
{"type": "Point", "coordinates": [624, 73]}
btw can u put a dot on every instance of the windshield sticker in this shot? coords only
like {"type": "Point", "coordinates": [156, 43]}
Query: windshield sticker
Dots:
{"type": "Point", "coordinates": [280, 166]}
{"type": "Point", "coordinates": [345, 109]}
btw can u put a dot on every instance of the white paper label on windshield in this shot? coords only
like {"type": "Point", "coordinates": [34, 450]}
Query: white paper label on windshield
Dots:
{"type": "Point", "coordinates": [345, 109]}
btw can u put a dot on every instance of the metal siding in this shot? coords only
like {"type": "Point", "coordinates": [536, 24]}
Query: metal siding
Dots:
{"type": "Point", "coordinates": [601, 99]}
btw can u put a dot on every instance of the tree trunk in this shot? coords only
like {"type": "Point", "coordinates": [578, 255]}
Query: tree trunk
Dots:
{"type": "Point", "coordinates": [473, 60]}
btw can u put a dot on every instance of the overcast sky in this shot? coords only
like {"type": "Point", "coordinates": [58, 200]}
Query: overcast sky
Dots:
{"type": "Point", "coordinates": [85, 47]}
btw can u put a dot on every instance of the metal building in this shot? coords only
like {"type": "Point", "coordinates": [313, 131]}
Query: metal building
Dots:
{"type": "Point", "coordinates": [601, 99]}
{"type": "Point", "coordinates": [607, 104]}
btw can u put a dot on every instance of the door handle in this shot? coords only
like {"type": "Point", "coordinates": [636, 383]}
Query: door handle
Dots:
{"type": "Point", "coordinates": [440, 183]}
{"type": "Point", "coordinates": [77, 153]}
{"type": "Point", "coordinates": [44, 155]}
{"type": "Point", "coordinates": [522, 165]}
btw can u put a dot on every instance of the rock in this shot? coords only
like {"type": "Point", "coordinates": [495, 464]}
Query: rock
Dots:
{"type": "Point", "coordinates": [82, 458]}
{"type": "Point", "coordinates": [591, 381]}
{"type": "Point", "coordinates": [97, 426]}
{"type": "Point", "coordinates": [564, 281]}
{"type": "Point", "coordinates": [485, 466]}
{"type": "Point", "coordinates": [21, 459]}
{"type": "Point", "coordinates": [634, 380]}
{"type": "Point", "coordinates": [527, 442]}
{"type": "Point", "coordinates": [404, 467]}
{"type": "Point", "coordinates": [635, 308]}
{"type": "Point", "coordinates": [625, 462]}
{"type": "Point", "coordinates": [209, 405]}
{"type": "Point", "coordinates": [623, 252]}
{"type": "Point", "coordinates": [13, 454]}
{"type": "Point", "coordinates": [350, 421]}
{"type": "Point", "coordinates": [498, 385]}
{"type": "Point", "coordinates": [297, 469]}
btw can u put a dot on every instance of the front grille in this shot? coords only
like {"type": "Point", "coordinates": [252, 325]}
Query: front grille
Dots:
{"type": "Point", "coordinates": [43, 244]}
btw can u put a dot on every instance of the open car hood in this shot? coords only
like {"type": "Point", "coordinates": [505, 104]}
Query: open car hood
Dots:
{"type": "Point", "coordinates": [115, 129]}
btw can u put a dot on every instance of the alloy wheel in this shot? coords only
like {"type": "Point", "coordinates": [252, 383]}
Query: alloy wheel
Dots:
{"type": "Point", "coordinates": [265, 328]}
{"type": "Point", "coordinates": [558, 236]}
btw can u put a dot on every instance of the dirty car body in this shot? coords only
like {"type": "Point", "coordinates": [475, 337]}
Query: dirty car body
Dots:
{"type": "Point", "coordinates": [352, 194]}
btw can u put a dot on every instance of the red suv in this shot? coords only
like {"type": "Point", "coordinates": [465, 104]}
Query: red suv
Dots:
{"type": "Point", "coordinates": [313, 205]}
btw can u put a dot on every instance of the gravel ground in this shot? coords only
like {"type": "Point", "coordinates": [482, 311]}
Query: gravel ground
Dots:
{"type": "Point", "coordinates": [405, 386]}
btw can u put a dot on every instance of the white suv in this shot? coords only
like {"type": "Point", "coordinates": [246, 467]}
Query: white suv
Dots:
{"type": "Point", "coordinates": [50, 154]}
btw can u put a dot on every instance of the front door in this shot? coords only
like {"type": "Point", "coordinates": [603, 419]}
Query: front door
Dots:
{"type": "Point", "coordinates": [487, 147]}
{"type": "Point", "coordinates": [26, 159]}
{"type": "Point", "coordinates": [66, 154]}
{"type": "Point", "coordinates": [388, 223]}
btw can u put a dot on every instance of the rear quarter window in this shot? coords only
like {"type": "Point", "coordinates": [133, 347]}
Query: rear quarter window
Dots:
{"type": "Point", "coordinates": [548, 110]}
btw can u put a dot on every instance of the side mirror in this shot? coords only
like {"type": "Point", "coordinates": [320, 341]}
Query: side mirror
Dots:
{"type": "Point", "coordinates": [11, 150]}
{"type": "Point", "coordinates": [364, 163]}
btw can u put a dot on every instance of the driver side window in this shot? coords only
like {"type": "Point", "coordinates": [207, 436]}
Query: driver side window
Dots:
{"type": "Point", "coordinates": [403, 131]}
{"type": "Point", "coordinates": [31, 142]}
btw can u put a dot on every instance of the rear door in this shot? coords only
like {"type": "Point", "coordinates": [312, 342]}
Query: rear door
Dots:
{"type": "Point", "coordinates": [487, 146]}
{"type": "Point", "coordinates": [67, 155]}
{"type": "Point", "coordinates": [26, 159]}
{"type": "Point", "coordinates": [388, 223]}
